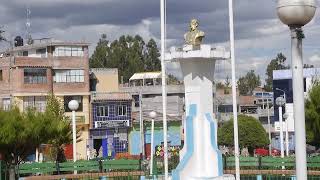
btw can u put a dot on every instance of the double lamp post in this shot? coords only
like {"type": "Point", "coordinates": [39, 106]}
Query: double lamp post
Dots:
{"type": "Point", "coordinates": [295, 14]}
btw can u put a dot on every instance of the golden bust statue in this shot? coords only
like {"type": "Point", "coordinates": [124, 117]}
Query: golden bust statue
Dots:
{"type": "Point", "coordinates": [194, 36]}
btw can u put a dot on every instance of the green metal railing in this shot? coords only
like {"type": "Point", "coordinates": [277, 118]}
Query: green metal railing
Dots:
{"type": "Point", "coordinates": [251, 168]}
{"type": "Point", "coordinates": [101, 166]}
{"type": "Point", "coordinates": [313, 163]}
{"type": "Point", "coordinates": [1, 171]}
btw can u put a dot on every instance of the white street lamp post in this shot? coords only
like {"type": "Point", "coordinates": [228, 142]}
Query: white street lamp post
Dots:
{"type": "Point", "coordinates": [285, 116]}
{"type": "Point", "coordinates": [269, 127]}
{"type": "Point", "coordinates": [280, 101]}
{"type": "Point", "coordinates": [73, 106]}
{"type": "Point", "coordinates": [282, 116]}
{"type": "Point", "coordinates": [295, 14]}
{"type": "Point", "coordinates": [284, 94]}
{"type": "Point", "coordinates": [152, 115]}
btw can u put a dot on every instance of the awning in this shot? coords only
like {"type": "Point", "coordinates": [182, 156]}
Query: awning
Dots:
{"type": "Point", "coordinates": [146, 75]}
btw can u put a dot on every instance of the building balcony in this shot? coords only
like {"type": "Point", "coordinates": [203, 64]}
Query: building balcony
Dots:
{"type": "Point", "coordinates": [156, 89]}
{"type": "Point", "coordinates": [264, 112]}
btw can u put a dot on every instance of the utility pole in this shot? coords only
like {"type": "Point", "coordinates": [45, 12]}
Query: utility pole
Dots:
{"type": "Point", "coordinates": [269, 126]}
{"type": "Point", "coordinates": [141, 126]}
{"type": "Point", "coordinates": [164, 85]}
{"type": "Point", "coordinates": [234, 92]}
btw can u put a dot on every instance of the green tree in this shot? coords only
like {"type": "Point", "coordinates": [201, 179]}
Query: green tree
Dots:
{"type": "Point", "coordinates": [227, 82]}
{"type": "Point", "coordinates": [251, 133]}
{"type": "Point", "coordinates": [247, 83]}
{"type": "Point", "coordinates": [220, 85]}
{"type": "Point", "coordinates": [152, 61]}
{"type": "Point", "coordinates": [22, 132]}
{"type": "Point", "coordinates": [129, 54]}
{"type": "Point", "coordinates": [312, 112]}
{"type": "Point", "coordinates": [60, 130]}
{"type": "Point", "coordinates": [173, 80]}
{"type": "Point", "coordinates": [99, 56]}
{"type": "Point", "coordinates": [275, 64]}
{"type": "Point", "coordinates": [308, 66]}
{"type": "Point", "coordinates": [20, 135]}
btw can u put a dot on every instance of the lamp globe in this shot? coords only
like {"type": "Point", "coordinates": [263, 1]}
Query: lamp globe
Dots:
{"type": "Point", "coordinates": [296, 12]}
{"type": "Point", "coordinates": [73, 105]}
{"type": "Point", "coordinates": [153, 114]}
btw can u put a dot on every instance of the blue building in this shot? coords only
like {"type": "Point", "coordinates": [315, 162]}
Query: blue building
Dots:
{"type": "Point", "coordinates": [111, 121]}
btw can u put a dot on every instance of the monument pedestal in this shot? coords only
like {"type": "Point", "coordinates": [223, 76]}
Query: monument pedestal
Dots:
{"type": "Point", "coordinates": [200, 157]}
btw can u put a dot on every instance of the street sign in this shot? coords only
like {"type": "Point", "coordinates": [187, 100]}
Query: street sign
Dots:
{"type": "Point", "coordinates": [111, 124]}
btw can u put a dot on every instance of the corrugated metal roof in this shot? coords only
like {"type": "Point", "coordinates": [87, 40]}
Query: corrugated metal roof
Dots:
{"type": "Point", "coordinates": [110, 96]}
{"type": "Point", "coordinates": [146, 75]}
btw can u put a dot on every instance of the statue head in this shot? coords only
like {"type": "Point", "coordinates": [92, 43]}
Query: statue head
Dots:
{"type": "Point", "coordinates": [194, 36]}
{"type": "Point", "coordinates": [194, 24]}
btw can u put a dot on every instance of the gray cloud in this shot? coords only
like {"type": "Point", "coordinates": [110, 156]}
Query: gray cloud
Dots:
{"type": "Point", "coordinates": [259, 34]}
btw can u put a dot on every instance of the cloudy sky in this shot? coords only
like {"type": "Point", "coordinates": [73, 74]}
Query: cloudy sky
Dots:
{"type": "Point", "coordinates": [258, 32]}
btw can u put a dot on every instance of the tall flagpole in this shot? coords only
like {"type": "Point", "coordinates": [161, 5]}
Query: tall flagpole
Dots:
{"type": "Point", "coordinates": [164, 84]}
{"type": "Point", "coordinates": [234, 92]}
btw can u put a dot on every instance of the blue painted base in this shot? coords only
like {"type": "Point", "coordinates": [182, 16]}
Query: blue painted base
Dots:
{"type": "Point", "coordinates": [190, 143]}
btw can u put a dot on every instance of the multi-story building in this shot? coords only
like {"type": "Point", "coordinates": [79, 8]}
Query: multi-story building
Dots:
{"type": "Point", "coordinates": [111, 122]}
{"type": "Point", "coordinates": [255, 105]}
{"type": "Point", "coordinates": [282, 85]}
{"type": "Point", "coordinates": [110, 114]}
{"type": "Point", "coordinates": [28, 73]}
{"type": "Point", "coordinates": [148, 86]}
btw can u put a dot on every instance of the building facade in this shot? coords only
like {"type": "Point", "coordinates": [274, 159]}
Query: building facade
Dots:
{"type": "Point", "coordinates": [147, 86]}
{"type": "Point", "coordinates": [111, 122]}
{"type": "Point", "coordinates": [282, 84]}
{"type": "Point", "coordinates": [28, 73]}
{"type": "Point", "coordinates": [104, 80]}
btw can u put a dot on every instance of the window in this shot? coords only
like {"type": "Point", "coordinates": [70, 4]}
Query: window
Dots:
{"type": "Point", "coordinates": [68, 51]}
{"type": "Point", "coordinates": [77, 51]}
{"type": "Point", "coordinates": [41, 52]}
{"type": "Point", "coordinates": [1, 76]}
{"type": "Point", "coordinates": [122, 110]}
{"type": "Point", "coordinates": [225, 108]}
{"type": "Point", "coordinates": [102, 111]}
{"type": "Point", "coordinates": [67, 99]}
{"type": "Point", "coordinates": [136, 100]}
{"type": "Point", "coordinates": [25, 53]}
{"type": "Point", "coordinates": [36, 102]}
{"type": "Point", "coordinates": [6, 104]}
{"type": "Point", "coordinates": [64, 76]}
{"type": "Point", "coordinates": [35, 76]}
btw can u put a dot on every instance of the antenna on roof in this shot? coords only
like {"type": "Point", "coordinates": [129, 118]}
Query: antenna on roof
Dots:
{"type": "Point", "coordinates": [28, 27]}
